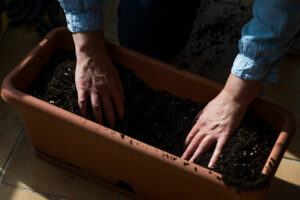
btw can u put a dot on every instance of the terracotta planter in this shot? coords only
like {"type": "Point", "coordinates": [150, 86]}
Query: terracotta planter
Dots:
{"type": "Point", "coordinates": [106, 156]}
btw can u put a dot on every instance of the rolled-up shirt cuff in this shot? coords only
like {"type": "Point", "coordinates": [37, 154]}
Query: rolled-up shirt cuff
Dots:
{"type": "Point", "coordinates": [248, 69]}
{"type": "Point", "coordinates": [84, 21]}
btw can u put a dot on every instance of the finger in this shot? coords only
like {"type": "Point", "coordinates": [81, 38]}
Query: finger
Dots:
{"type": "Point", "coordinates": [203, 147]}
{"type": "Point", "coordinates": [196, 119]}
{"type": "Point", "coordinates": [193, 146]}
{"type": "Point", "coordinates": [119, 84]}
{"type": "Point", "coordinates": [191, 135]}
{"type": "Point", "coordinates": [118, 102]}
{"type": "Point", "coordinates": [82, 96]}
{"type": "Point", "coordinates": [193, 131]}
{"type": "Point", "coordinates": [108, 109]}
{"type": "Point", "coordinates": [96, 106]}
{"type": "Point", "coordinates": [217, 152]}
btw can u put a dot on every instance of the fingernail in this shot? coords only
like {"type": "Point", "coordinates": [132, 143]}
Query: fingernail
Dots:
{"type": "Point", "coordinates": [210, 165]}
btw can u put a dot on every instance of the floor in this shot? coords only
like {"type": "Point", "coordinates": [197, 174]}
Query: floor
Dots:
{"type": "Point", "coordinates": [23, 176]}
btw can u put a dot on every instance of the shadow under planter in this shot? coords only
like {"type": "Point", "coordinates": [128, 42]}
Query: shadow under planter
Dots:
{"type": "Point", "coordinates": [92, 150]}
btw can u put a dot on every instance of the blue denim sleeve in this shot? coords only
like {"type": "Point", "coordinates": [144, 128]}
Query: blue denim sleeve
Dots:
{"type": "Point", "coordinates": [266, 38]}
{"type": "Point", "coordinates": [83, 15]}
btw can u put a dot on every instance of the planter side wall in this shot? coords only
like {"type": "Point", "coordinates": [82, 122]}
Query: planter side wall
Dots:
{"type": "Point", "coordinates": [99, 151]}
{"type": "Point", "coordinates": [113, 162]}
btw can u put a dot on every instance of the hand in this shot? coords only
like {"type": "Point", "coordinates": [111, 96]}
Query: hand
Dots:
{"type": "Point", "coordinates": [220, 118]}
{"type": "Point", "coordinates": [216, 122]}
{"type": "Point", "coordinates": [96, 76]}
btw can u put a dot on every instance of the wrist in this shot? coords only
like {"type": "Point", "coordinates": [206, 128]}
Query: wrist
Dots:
{"type": "Point", "coordinates": [228, 97]}
{"type": "Point", "coordinates": [90, 49]}
{"type": "Point", "coordinates": [240, 91]}
{"type": "Point", "coordinates": [89, 43]}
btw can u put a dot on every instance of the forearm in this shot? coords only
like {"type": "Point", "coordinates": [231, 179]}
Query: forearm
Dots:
{"type": "Point", "coordinates": [266, 38]}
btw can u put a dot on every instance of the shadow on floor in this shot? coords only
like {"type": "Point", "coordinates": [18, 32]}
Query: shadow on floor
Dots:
{"type": "Point", "coordinates": [282, 190]}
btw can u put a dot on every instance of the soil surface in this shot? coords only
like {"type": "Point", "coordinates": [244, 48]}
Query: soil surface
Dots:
{"type": "Point", "coordinates": [213, 44]}
{"type": "Point", "coordinates": [162, 120]}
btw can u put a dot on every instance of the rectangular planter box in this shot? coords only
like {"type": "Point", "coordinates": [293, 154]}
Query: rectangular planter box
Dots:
{"type": "Point", "coordinates": [109, 157]}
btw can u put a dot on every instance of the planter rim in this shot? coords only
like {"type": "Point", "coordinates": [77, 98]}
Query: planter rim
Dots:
{"type": "Point", "coordinates": [13, 95]}
{"type": "Point", "coordinates": [16, 97]}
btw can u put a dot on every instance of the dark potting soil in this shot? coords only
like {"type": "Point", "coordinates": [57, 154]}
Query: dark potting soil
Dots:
{"type": "Point", "coordinates": [162, 120]}
{"type": "Point", "coordinates": [213, 43]}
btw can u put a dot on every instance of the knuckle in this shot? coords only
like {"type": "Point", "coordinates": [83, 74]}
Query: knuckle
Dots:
{"type": "Point", "coordinates": [96, 107]}
{"type": "Point", "coordinates": [187, 142]}
{"type": "Point", "coordinates": [194, 142]}
{"type": "Point", "coordinates": [189, 138]}
{"type": "Point", "coordinates": [200, 149]}
{"type": "Point", "coordinates": [210, 137]}
{"type": "Point", "coordinates": [97, 88]}
{"type": "Point", "coordinates": [80, 85]}
{"type": "Point", "coordinates": [218, 148]}
{"type": "Point", "coordinates": [217, 151]}
{"type": "Point", "coordinates": [201, 123]}
{"type": "Point", "coordinates": [101, 84]}
{"type": "Point", "coordinates": [81, 101]}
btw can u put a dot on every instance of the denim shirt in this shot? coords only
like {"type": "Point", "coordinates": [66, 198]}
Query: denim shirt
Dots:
{"type": "Point", "coordinates": [264, 41]}
{"type": "Point", "coordinates": [83, 15]}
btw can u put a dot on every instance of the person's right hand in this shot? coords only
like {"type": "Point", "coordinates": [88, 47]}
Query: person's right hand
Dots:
{"type": "Point", "coordinates": [220, 118]}
{"type": "Point", "coordinates": [96, 77]}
